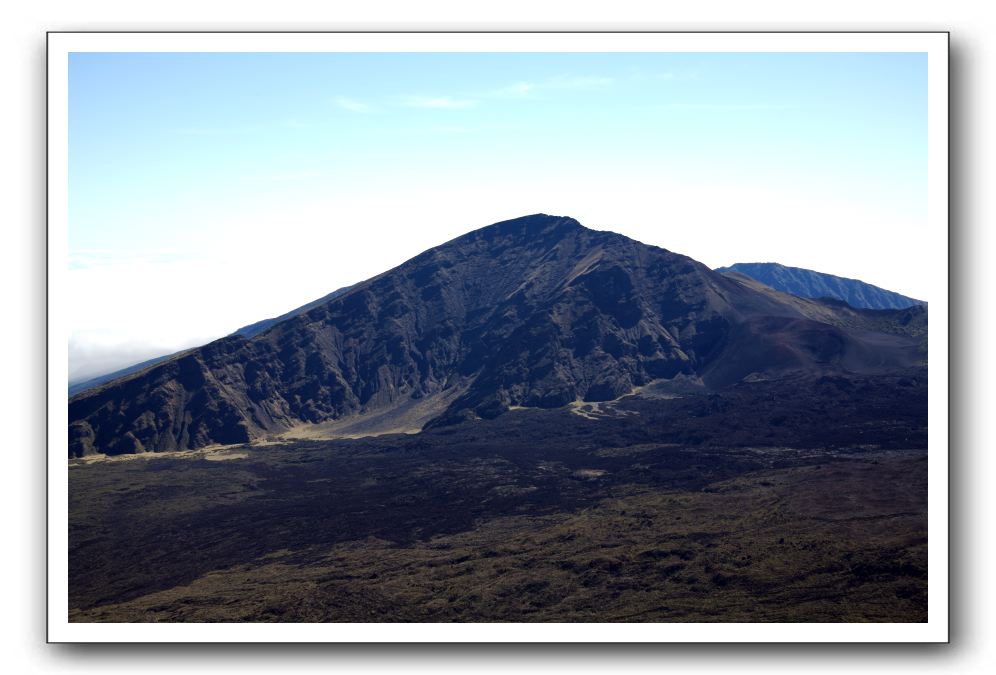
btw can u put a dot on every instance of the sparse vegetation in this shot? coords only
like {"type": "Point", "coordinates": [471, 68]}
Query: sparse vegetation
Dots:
{"type": "Point", "coordinates": [657, 510]}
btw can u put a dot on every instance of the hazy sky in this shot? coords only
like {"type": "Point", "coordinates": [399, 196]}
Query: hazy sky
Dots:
{"type": "Point", "coordinates": [208, 191]}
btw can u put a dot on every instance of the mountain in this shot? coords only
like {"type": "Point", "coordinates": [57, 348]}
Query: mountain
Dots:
{"type": "Point", "coordinates": [254, 329]}
{"type": "Point", "coordinates": [809, 284]}
{"type": "Point", "coordinates": [537, 311]}
{"type": "Point", "coordinates": [79, 386]}
{"type": "Point", "coordinates": [246, 331]}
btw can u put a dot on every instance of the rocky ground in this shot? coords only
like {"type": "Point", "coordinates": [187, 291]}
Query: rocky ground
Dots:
{"type": "Point", "coordinates": [774, 501]}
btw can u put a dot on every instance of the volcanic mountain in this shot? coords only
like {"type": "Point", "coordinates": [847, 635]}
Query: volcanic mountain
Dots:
{"type": "Point", "coordinates": [809, 284]}
{"type": "Point", "coordinates": [537, 312]}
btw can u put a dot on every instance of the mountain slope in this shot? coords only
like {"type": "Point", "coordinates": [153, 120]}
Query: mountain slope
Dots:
{"type": "Point", "coordinates": [809, 284]}
{"type": "Point", "coordinates": [249, 331]}
{"type": "Point", "coordinates": [258, 327]}
{"type": "Point", "coordinates": [537, 311]}
{"type": "Point", "coordinates": [89, 383]}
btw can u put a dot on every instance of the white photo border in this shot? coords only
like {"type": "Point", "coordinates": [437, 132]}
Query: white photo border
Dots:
{"type": "Point", "coordinates": [934, 44]}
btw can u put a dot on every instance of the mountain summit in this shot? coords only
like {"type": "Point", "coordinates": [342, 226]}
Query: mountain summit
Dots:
{"type": "Point", "coordinates": [537, 311]}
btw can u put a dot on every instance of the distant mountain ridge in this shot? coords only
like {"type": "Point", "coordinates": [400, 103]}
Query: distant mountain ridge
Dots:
{"type": "Point", "coordinates": [80, 386]}
{"type": "Point", "coordinates": [251, 330]}
{"type": "Point", "coordinates": [537, 311]}
{"type": "Point", "coordinates": [809, 284]}
{"type": "Point", "coordinates": [254, 329]}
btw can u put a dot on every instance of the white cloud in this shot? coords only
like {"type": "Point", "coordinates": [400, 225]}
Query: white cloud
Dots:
{"type": "Point", "coordinates": [87, 258]}
{"type": "Point", "coordinates": [513, 90]}
{"type": "Point", "coordinates": [95, 353]}
{"type": "Point", "coordinates": [662, 76]}
{"type": "Point", "coordinates": [524, 89]}
{"type": "Point", "coordinates": [519, 89]}
{"type": "Point", "coordinates": [724, 107]}
{"type": "Point", "coordinates": [578, 82]}
{"type": "Point", "coordinates": [122, 312]}
{"type": "Point", "coordinates": [443, 102]}
{"type": "Point", "coordinates": [352, 105]}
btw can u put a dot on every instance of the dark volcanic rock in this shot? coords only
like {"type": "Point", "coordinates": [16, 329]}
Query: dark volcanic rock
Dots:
{"type": "Point", "coordinates": [537, 311]}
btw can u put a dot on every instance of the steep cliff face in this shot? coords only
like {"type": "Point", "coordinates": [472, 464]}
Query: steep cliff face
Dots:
{"type": "Point", "coordinates": [536, 311]}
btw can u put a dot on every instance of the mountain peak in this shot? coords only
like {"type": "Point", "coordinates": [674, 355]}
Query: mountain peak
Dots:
{"type": "Point", "coordinates": [537, 311]}
{"type": "Point", "coordinates": [537, 224]}
{"type": "Point", "coordinates": [810, 284]}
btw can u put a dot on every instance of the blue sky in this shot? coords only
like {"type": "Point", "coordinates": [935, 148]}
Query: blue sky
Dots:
{"type": "Point", "coordinates": [208, 191]}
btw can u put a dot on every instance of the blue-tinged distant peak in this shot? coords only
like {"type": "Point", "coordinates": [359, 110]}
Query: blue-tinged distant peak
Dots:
{"type": "Point", "coordinates": [809, 284]}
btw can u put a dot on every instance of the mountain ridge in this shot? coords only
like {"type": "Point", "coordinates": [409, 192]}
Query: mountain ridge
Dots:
{"type": "Point", "coordinates": [814, 285]}
{"type": "Point", "coordinates": [249, 330]}
{"type": "Point", "coordinates": [537, 311]}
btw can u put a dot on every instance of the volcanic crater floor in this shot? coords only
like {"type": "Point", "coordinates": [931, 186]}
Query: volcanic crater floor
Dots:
{"type": "Point", "coordinates": [753, 505]}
